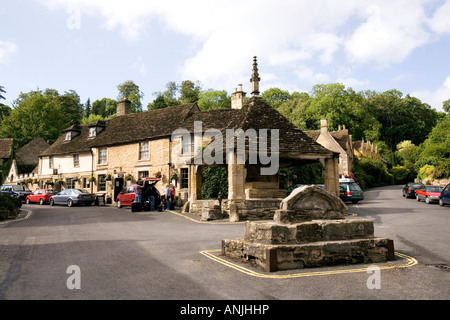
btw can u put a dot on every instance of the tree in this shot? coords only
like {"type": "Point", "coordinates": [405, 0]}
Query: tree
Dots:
{"type": "Point", "coordinates": [2, 90]}
{"type": "Point", "coordinates": [131, 91]}
{"type": "Point", "coordinates": [105, 107]}
{"type": "Point", "coordinates": [190, 91]}
{"type": "Point", "coordinates": [71, 106]}
{"type": "Point", "coordinates": [275, 96]}
{"type": "Point", "coordinates": [409, 152]}
{"type": "Point", "coordinates": [158, 103]}
{"type": "Point", "coordinates": [87, 108]}
{"type": "Point", "coordinates": [214, 99]}
{"type": "Point", "coordinates": [446, 106]}
{"type": "Point", "coordinates": [35, 114]}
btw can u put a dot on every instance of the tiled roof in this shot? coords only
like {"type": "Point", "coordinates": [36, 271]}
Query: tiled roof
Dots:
{"type": "Point", "coordinates": [29, 154]}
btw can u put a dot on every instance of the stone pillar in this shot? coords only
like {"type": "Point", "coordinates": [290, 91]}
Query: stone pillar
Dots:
{"type": "Point", "coordinates": [331, 175]}
{"type": "Point", "coordinates": [236, 186]}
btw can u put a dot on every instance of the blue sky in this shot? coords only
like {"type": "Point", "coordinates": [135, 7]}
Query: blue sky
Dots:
{"type": "Point", "coordinates": [91, 46]}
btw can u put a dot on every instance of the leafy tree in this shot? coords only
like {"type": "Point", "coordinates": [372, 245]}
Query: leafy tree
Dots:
{"type": "Point", "coordinates": [158, 103]}
{"type": "Point", "coordinates": [131, 91]}
{"type": "Point", "coordinates": [446, 106]}
{"type": "Point", "coordinates": [70, 106]}
{"type": "Point", "coordinates": [275, 96]}
{"type": "Point", "coordinates": [91, 119]}
{"type": "Point", "coordinates": [409, 152]}
{"type": "Point", "coordinates": [105, 107]}
{"type": "Point", "coordinates": [2, 90]}
{"type": "Point", "coordinates": [35, 113]}
{"type": "Point", "coordinates": [214, 99]}
{"type": "Point", "coordinates": [87, 108]}
{"type": "Point", "coordinates": [214, 180]}
{"type": "Point", "coordinates": [190, 91]}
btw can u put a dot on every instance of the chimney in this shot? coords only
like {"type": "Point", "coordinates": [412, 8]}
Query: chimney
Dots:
{"type": "Point", "coordinates": [238, 98]}
{"type": "Point", "coordinates": [123, 107]}
{"type": "Point", "coordinates": [323, 126]}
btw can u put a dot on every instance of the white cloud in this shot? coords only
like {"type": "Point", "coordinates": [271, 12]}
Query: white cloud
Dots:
{"type": "Point", "coordinates": [305, 73]}
{"type": "Point", "coordinates": [392, 30]}
{"type": "Point", "coordinates": [440, 22]}
{"type": "Point", "coordinates": [7, 51]}
{"type": "Point", "coordinates": [437, 97]}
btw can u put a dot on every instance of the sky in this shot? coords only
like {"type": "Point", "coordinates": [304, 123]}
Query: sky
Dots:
{"type": "Point", "coordinates": [91, 46]}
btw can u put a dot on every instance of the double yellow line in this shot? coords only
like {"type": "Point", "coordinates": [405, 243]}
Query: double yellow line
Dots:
{"type": "Point", "coordinates": [212, 254]}
{"type": "Point", "coordinates": [21, 219]}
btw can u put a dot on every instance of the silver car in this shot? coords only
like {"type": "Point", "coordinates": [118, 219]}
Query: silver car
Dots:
{"type": "Point", "coordinates": [71, 197]}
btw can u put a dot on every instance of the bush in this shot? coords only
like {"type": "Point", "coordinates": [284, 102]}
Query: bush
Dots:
{"type": "Point", "coordinates": [371, 173]}
{"type": "Point", "coordinates": [442, 171]}
{"type": "Point", "coordinates": [401, 174]}
{"type": "Point", "coordinates": [426, 172]}
{"type": "Point", "coordinates": [9, 207]}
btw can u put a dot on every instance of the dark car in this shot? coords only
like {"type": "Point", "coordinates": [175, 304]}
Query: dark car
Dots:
{"type": "Point", "coordinates": [41, 195]}
{"type": "Point", "coordinates": [128, 194]}
{"type": "Point", "coordinates": [429, 193]}
{"type": "Point", "coordinates": [445, 196]}
{"type": "Point", "coordinates": [71, 197]}
{"type": "Point", "coordinates": [409, 189]}
{"type": "Point", "coordinates": [349, 190]}
{"type": "Point", "coordinates": [15, 191]}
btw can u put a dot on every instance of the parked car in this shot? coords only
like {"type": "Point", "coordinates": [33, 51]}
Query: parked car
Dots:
{"type": "Point", "coordinates": [349, 190]}
{"type": "Point", "coordinates": [409, 189]}
{"type": "Point", "coordinates": [128, 194]}
{"type": "Point", "coordinates": [445, 196]}
{"type": "Point", "coordinates": [429, 193]}
{"type": "Point", "coordinates": [41, 195]}
{"type": "Point", "coordinates": [71, 197]}
{"type": "Point", "coordinates": [15, 191]}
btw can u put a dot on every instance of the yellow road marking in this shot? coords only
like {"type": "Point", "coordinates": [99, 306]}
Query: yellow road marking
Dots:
{"type": "Point", "coordinates": [209, 254]}
{"type": "Point", "coordinates": [24, 218]}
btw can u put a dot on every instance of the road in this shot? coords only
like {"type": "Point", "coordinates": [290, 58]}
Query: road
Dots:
{"type": "Point", "coordinates": [148, 256]}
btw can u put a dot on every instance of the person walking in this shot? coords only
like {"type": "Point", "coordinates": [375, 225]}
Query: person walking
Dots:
{"type": "Point", "coordinates": [172, 196]}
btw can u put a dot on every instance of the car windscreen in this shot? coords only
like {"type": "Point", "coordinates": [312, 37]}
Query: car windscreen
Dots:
{"type": "Point", "coordinates": [50, 191]}
{"type": "Point", "coordinates": [20, 188]}
{"type": "Point", "coordinates": [415, 185]}
{"type": "Point", "coordinates": [79, 191]}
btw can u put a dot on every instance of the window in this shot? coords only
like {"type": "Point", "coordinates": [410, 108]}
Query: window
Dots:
{"type": "Point", "coordinates": [86, 183]}
{"type": "Point", "coordinates": [92, 132]}
{"type": "Point", "coordinates": [187, 146]}
{"type": "Point", "coordinates": [69, 136]}
{"type": "Point", "coordinates": [76, 160]}
{"type": "Point", "coordinates": [50, 162]}
{"type": "Point", "coordinates": [184, 178]}
{"type": "Point", "coordinates": [101, 182]}
{"type": "Point", "coordinates": [144, 153]}
{"type": "Point", "coordinates": [102, 156]}
{"type": "Point", "coordinates": [143, 174]}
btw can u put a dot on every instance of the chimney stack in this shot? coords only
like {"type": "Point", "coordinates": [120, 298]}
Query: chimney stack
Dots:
{"type": "Point", "coordinates": [323, 126]}
{"type": "Point", "coordinates": [123, 107]}
{"type": "Point", "coordinates": [238, 98]}
{"type": "Point", "coordinates": [255, 79]}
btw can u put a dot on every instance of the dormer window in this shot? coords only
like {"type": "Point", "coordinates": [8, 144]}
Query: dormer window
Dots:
{"type": "Point", "coordinates": [92, 132]}
{"type": "Point", "coordinates": [71, 133]}
{"type": "Point", "coordinates": [68, 136]}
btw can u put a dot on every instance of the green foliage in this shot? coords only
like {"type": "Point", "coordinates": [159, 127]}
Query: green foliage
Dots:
{"type": "Point", "coordinates": [130, 91]}
{"type": "Point", "coordinates": [190, 91]}
{"type": "Point", "coordinates": [214, 180]}
{"type": "Point", "coordinates": [426, 172]}
{"type": "Point", "coordinates": [9, 207]}
{"type": "Point", "coordinates": [214, 99]}
{"type": "Point", "coordinates": [401, 174]}
{"type": "Point", "coordinates": [39, 113]}
{"type": "Point", "coordinates": [276, 96]}
{"type": "Point", "coordinates": [105, 107]}
{"type": "Point", "coordinates": [371, 173]}
{"type": "Point", "coordinates": [442, 171]}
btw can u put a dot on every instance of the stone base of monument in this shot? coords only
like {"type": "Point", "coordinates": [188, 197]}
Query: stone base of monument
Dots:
{"type": "Point", "coordinates": [310, 230]}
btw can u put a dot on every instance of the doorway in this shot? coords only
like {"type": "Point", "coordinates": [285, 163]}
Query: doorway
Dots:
{"type": "Point", "coordinates": [118, 186]}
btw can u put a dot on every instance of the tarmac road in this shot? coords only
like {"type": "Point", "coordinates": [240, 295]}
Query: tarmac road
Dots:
{"type": "Point", "coordinates": [157, 256]}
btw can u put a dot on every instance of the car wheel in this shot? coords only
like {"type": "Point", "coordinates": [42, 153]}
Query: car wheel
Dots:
{"type": "Point", "coordinates": [52, 202]}
{"type": "Point", "coordinates": [427, 200]}
{"type": "Point", "coordinates": [41, 202]}
{"type": "Point", "coordinates": [119, 205]}
{"type": "Point", "coordinates": [417, 198]}
{"type": "Point", "coordinates": [27, 201]}
{"type": "Point", "coordinates": [69, 203]}
{"type": "Point", "coordinates": [441, 202]}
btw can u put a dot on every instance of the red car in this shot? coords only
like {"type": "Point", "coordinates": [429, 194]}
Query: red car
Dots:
{"type": "Point", "coordinates": [41, 195]}
{"type": "Point", "coordinates": [429, 193]}
{"type": "Point", "coordinates": [128, 195]}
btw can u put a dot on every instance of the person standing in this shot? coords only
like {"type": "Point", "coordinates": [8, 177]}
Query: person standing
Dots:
{"type": "Point", "coordinates": [138, 197]}
{"type": "Point", "coordinates": [172, 195]}
{"type": "Point", "coordinates": [167, 197]}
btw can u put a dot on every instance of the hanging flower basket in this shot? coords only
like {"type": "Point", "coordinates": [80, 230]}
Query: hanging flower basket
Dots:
{"type": "Point", "coordinates": [128, 177]}
{"type": "Point", "coordinates": [35, 181]}
{"type": "Point", "coordinates": [91, 179]}
{"type": "Point", "coordinates": [108, 177]}
{"type": "Point", "coordinates": [158, 175]}
{"type": "Point", "coordinates": [174, 175]}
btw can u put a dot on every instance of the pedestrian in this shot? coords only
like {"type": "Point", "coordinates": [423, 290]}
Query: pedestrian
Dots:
{"type": "Point", "coordinates": [152, 197]}
{"type": "Point", "coordinates": [138, 196]}
{"type": "Point", "coordinates": [168, 197]}
{"type": "Point", "coordinates": [172, 195]}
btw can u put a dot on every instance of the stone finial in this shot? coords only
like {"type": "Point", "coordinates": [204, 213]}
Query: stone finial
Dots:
{"type": "Point", "coordinates": [255, 78]}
